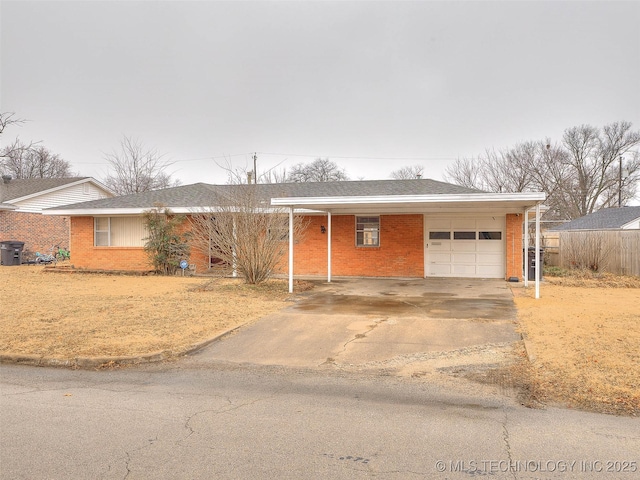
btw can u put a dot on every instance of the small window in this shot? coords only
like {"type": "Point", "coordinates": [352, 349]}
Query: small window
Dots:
{"type": "Point", "coordinates": [490, 235]}
{"type": "Point", "coordinates": [464, 235]}
{"type": "Point", "coordinates": [439, 235]}
{"type": "Point", "coordinates": [101, 231]}
{"type": "Point", "coordinates": [367, 231]}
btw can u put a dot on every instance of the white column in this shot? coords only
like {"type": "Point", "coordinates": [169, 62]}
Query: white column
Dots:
{"type": "Point", "coordinates": [329, 247]}
{"type": "Point", "coordinates": [290, 249]}
{"type": "Point", "coordinates": [525, 260]}
{"type": "Point", "coordinates": [538, 266]}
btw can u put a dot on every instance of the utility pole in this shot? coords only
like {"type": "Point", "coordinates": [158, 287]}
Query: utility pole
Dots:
{"type": "Point", "coordinates": [620, 184]}
{"type": "Point", "coordinates": [255, 167]}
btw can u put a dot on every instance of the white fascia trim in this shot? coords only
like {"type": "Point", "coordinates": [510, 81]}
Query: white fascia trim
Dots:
{"type": "Point", "coordinates": [400, 199]}
{"type": "Point", "coordinates": [62, 187]}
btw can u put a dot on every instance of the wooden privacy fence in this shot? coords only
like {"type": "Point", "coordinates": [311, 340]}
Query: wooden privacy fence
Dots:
{"type": "Point", "coordinates": [614, 251]}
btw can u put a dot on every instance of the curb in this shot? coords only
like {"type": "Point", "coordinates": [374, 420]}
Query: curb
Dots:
{"type": "Point", "coordinates": [97, 362]}
{"type": "Point", "coordinates": [528, 348]}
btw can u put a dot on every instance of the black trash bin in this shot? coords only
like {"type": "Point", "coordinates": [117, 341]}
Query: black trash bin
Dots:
{"type": "Point", "coordinates": [531, 263]}
{"type": "Point", "coordinates": [11, 252]}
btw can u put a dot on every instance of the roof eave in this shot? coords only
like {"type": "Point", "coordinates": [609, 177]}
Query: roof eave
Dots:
{"type": "Point", "coordinates": [530, 198]}
{"type": "Point", "coordinates": [62, 187]}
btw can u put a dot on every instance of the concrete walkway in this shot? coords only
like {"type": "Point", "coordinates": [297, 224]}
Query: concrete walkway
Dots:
{"type": "Point", "coordinates": [379, 323]}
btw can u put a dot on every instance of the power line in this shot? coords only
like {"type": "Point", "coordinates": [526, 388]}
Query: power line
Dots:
{"type": "Point", "coordinates": [358, 157]}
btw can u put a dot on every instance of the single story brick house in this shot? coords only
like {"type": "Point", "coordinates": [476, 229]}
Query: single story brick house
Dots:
{"type": "Point", "coordinates": [376, 228]}
{"type": "Point", "coordinates": [23, 200]}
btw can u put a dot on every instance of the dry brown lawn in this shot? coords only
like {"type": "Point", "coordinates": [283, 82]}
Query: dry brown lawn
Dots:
{"type": "Point", "coordinates": [64, 316]}
{"type": "Point", "coordinates": [585, 336]}
{"type": "Point", "coordinates": [584, 332]}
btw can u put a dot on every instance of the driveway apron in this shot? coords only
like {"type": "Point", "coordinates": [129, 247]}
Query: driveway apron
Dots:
{"type": "Point", "coordinates": [373, 322]}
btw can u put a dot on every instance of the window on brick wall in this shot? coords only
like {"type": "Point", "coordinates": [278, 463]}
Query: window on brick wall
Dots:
{"type": "Point", "coordinates": [367, 231]}
{"type": "Point", "coordinates": [119, 231]}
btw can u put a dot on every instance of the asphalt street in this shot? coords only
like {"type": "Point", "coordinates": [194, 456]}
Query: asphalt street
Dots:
{"type": "Point", "coordinates": [188, 421]}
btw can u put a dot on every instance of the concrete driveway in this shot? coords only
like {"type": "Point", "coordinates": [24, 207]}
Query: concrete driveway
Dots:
{"type": "Point", "coordinates": [381, 323]}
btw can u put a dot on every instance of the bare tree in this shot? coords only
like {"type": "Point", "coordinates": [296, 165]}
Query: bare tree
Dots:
{"type": "Point", "coordinates": [244, 232]}
{"type": "Point", "coordinates": [7, 119]}
{"type": "Point", "coordinates": [580, 175]}
{"type": "Point", "coordinates": [136, 169]}
{"type": "Point", "coordinates": [32, 161]}
{"type": "Point", "coordinates": [320, 170]}
{"type": "Point", "coordinates": [237, 175]}
{"type": "Point", "coordinates": [407, 173]}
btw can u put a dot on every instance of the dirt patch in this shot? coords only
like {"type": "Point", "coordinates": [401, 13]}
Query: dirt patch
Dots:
{"type": "Point", "coordinates": [64, 316]}
{"type": "Point", "coordinates": [585, 342]}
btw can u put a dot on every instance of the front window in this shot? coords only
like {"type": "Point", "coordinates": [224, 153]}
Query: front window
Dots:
{"type": "Point", "coordinates": [119, 231]}
{"type": "Point", "coordinates": [367, 231]}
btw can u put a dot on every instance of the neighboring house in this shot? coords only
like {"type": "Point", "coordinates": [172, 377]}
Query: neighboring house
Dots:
{"type": "Point", "coordinates": [22, 202]}
{"type": "Point", "coordinates": [607, 240]}
{"type": "Point", "coordinates": [380, 228]}
{"type": "Point", "coordinates": [625, 218]}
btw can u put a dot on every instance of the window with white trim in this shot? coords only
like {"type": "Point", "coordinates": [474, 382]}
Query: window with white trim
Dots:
{"type": "Point", "coordinates": [367, 231]}
{"type": "Point", "coordinates": [119, 231]}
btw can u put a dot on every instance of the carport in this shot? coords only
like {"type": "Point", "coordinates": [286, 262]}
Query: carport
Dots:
{"type": "Point", "coordinates": [467, 205]}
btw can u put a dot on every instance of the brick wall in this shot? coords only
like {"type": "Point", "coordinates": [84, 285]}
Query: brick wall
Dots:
{"type": "Point", "coordinates": [400, 254]}
{"type": "Point", "coordinates": [39, 232]}
{"type": "Point", "coordinates": [85, 255]}
{"type": "Point", "coordinates": [513, 245]}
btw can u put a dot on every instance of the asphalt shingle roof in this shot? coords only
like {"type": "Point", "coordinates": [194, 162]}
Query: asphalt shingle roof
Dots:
{"type": "Point", "coordinates": [607, 218]}
{"type": "Point", "coordinates": [202, 194]}
{"type": "Point", "coordinates": [22, 187]}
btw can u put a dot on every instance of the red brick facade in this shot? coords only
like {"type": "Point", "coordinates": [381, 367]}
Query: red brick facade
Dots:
{"type": "Point", "coordinates": [513, 246]}
{"type": "Point", "coordinates": [85, 255]}
{"type": "Point", "coordinates": [400, 254]}
{"type": "Point", "coordinates": [39, 232]}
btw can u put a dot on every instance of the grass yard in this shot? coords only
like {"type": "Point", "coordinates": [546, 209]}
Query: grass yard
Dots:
{"type": "Point", "coordinates": [585, 335]}
{"type": "Point", "coordinates": [63, 315]}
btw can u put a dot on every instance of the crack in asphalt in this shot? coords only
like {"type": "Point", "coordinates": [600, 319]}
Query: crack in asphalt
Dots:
{"type": "Point", "coordinates": [505, 438]}
{"type": "Point", "coordinates": [358, 336]}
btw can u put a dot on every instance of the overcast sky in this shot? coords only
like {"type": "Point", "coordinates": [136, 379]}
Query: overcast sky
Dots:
{"type": "Point", "coordinates": [372, 86]}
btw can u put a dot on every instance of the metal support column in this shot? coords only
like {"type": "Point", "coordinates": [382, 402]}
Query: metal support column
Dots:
{"type": "Point", "coordinates": [538, 266]}
{"type": "Point", "coordinates": [290, 249]}
{"type": "Point", "coordinates": [329, 247]}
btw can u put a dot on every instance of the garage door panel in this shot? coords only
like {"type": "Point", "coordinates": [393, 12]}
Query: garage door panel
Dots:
{"type": "Point", "coordinates": [440, 258]}
{"type": "Point", "coordinates": [440, 246]}
{"type": "Point", "coordinates": [463, 246]}
{"type": "Point", "coordinates": [490, 259]}
{"type": "Point", "coordinates": [490, 271]}
{"type": "Point", "coordinates": [489, 247]}
{"type": "Point", "coordinates": [439, 270]}
{"type": "Point", "coordinates": [469, 258]}
{"type": "Point", "coordinates": [463, 270]}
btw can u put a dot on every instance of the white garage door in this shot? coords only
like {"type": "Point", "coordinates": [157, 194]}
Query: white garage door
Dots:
{"type": "Point", "coordinates": [465, 247]}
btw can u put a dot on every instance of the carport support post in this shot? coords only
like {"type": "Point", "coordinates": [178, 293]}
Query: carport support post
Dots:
{"type": "Point", "coordinates": [329, 247]}
{"type": "Point", "coordinates": [538, 250]}
{"type": "Point", "coordinates": [290, 249]}
{"type": "Point", "coordinates": [526, 248]}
